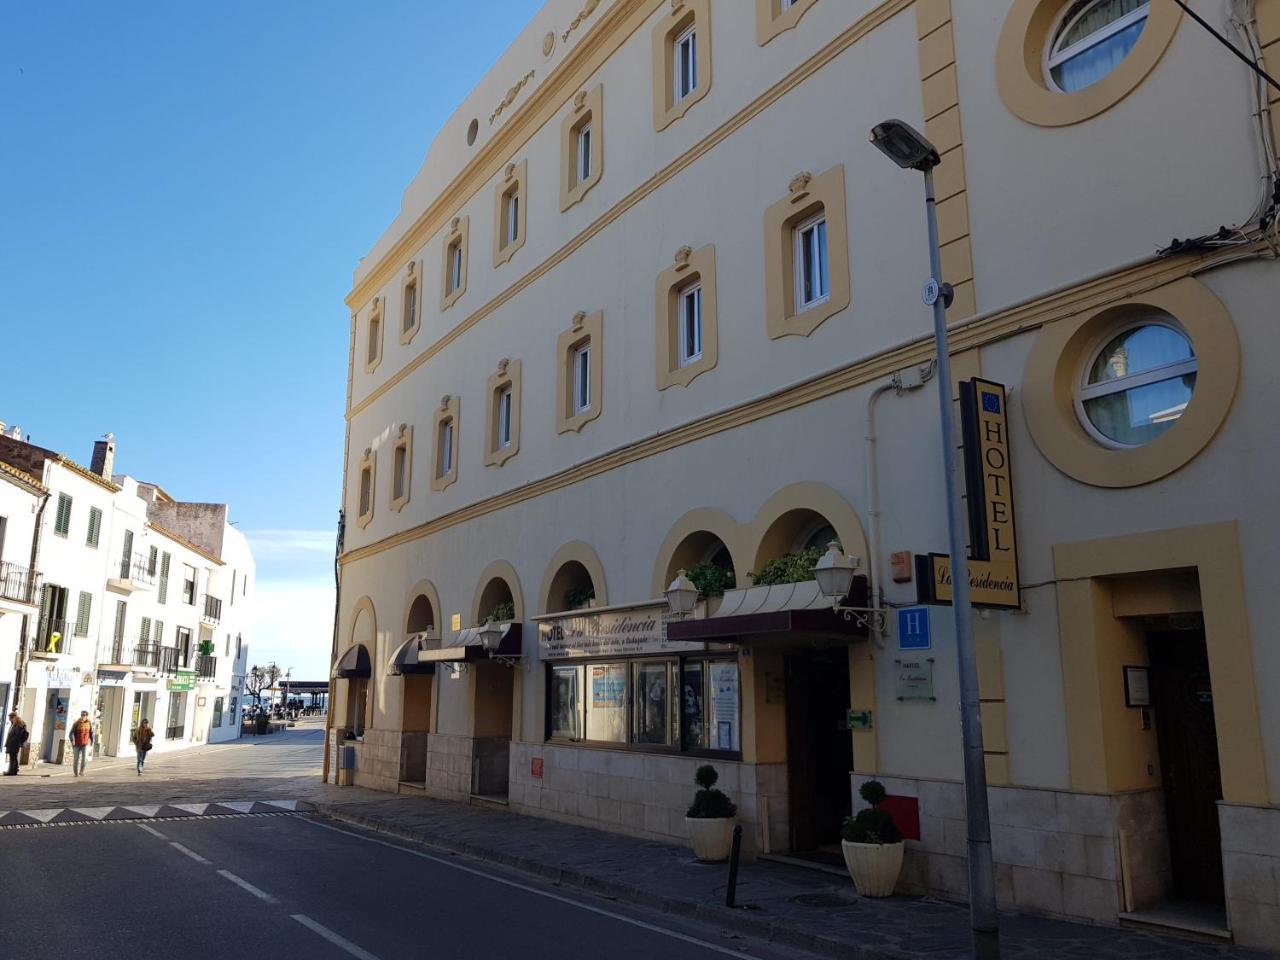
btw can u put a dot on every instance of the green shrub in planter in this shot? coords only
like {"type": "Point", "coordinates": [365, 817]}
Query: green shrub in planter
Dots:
{"type": "Point", "coordinates": [871, 825]}
{"type": "Point", "coordinates": [710, 803]}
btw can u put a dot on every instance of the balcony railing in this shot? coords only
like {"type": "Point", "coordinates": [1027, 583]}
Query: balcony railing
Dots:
{"type": "Point", "coordinates": [19, 584]}
{"type": "Point", "coordinates": [53, 636]}
{"type": "Point", "coordinates": [206, 667]}
{"type": "Point", "coordinates": [212, 609]}
{"type": "Point", "coordinates": [168, 661]}
{"type": "Point", "coordinates": [146, 654]}
{"type": "Point", "coordinates": [137, 569]}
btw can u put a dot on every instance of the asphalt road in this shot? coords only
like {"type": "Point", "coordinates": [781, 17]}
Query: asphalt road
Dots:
{"type": "Point", "coordinates": [294, 886]}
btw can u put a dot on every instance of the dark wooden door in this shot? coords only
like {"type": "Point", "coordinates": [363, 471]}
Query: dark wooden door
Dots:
{"type": "Point", "coordinates": [819, 747]}
{"type": "Point", "coordinates": [1183, 701]}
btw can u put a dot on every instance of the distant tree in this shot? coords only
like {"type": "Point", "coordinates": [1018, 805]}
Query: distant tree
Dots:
{"type": "Point", "coordinates": [259, 680]}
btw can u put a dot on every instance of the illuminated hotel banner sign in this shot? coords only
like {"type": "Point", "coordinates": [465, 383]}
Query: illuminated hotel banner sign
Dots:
{"type": "Point", "coordinates": [993, 548]}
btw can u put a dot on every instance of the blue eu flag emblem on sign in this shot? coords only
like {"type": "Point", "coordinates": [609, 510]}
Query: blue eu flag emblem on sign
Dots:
{"type": "Point", "coordinates": [991, 402]}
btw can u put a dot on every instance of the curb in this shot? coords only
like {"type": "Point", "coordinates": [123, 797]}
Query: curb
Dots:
{"type": "Point", "coordinates": [774, 932]}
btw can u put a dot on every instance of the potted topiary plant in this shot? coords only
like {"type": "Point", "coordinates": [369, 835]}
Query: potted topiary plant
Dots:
{"type": "Point", "coordinates": [872, 845]}
{"type": "Point", "coordinates": [710, 818]}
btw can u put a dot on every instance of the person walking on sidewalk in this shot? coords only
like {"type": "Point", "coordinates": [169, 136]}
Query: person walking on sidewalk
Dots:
{"type": "Point", "coordinates": [142, 738]}
{"type": "Point", "coordinates": [18, 735]}
{"type": "Point", "coordinates": [81, 738]}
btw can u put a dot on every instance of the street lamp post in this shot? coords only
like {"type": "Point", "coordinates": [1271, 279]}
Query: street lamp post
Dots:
{"type": "Point", "coordinates": [906, 147]}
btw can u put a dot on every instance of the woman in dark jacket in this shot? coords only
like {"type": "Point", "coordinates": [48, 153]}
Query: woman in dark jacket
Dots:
{"type": "Point", "coordinates": [142, 738]}
{"type": "Point", "coordinates": [18, 735]}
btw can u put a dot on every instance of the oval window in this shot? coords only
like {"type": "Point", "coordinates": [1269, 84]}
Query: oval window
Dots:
{"type": "Point", "coordinates": [1138, 385]}
{"type": "Point", "coordinates": [1091, 39]}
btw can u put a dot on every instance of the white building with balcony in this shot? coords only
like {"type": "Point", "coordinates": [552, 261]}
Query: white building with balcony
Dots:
{"type": "Point", "coordinates": [126, 615]}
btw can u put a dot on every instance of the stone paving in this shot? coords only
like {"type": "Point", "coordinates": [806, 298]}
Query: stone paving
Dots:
{"type": "Point", "coordinates": [787, 905]}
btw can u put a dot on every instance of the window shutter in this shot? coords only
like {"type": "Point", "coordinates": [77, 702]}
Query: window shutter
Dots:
{"type": "Point", "coordinates": [151, 562]}
{"type": "Point", "coordinates": [82, 614]}
{"type": "Point", "coordinates": [144, 635]}
{"type": "Point", "coordinates": [159, 633]}
{"type": "Point", "coordinates": [62, 522]}
{"type": "Point", "coordinates": [121, 610]}
{"type": "Point", "coordinates": [164, 578]}
{"type": "Point", "coordinates": [95, 527]}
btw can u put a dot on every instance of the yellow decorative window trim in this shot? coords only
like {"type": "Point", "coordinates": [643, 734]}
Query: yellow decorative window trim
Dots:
{"type": "Point", "coordinates": [1020, 59]}
{"type": "Point", "coordinates": [1053, 375]}
{"type": "Point", "coordinates": [446, 414]}
{"type": "Point", "coordinates": [454, 285]}
{"type": "Point", "coordinates": [412, 284]}
{"type": "Point", "coordinates": [684, 15]}
{"type": "Point", "coordinates": [373, 336]}
{"type": "Point", "coordinates": [507, 377]}
{"type": "Point", "coordinates": [403, 442]}
{"type": "Point", "coordinates": [772, 19]}
{"type": "Point", "coordinates": [808, 196]}
{"type": "Point", "coordinates": [587, 109]}
{"type": "Point", "coordinates": [586, 330]}
{"type": "Point", "coordinates": [512, 184]}
{"type": "Point", "coordinates": [690, 267]}
{"type": "Point", "coordinates": [366, 487]}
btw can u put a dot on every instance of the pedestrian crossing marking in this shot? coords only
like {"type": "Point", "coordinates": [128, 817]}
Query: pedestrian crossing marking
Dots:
{"type": "Point", "coordinates": [93, 813]}
{"type": "Point", "coordinates": [143, 811]}
{"type": "Point", "coordinates": [195, 808]}
{"type": "Point", "coordinates": [44, 816]}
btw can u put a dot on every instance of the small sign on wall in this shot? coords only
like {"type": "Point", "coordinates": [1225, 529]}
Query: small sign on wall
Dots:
{"type": "Point", "coordinates": [859, 721]}
{"type": "Point", "coordinates": [913, 629]}
{"type": "Point", "coordinates": [915, 679]}
{"type": "Point", "coordinates": [535, 768]}
{"type": "Point", "coordinates": [1137, 687]}
{"type": "Point", "coordinates": [455, 621]}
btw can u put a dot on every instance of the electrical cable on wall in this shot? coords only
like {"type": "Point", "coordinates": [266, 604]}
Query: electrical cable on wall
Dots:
{"type": "Point", "coordinates": [1266, 211]}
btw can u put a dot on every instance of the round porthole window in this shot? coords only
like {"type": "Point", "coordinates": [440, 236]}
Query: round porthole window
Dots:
{"type": "Point", "coordinates": [472, 132]}
{"type": "Point", "coordinates": [1090, 40]}
{"type": "Point", "coordinates": [1139, 384]}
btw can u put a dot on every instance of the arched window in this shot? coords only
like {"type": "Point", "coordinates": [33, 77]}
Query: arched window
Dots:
{"type": "Point", "coordinates": [1091, 39]}
{"type": "Point", "coordinates": [1138, 385]}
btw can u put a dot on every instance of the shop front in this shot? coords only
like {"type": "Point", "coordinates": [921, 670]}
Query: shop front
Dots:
{"type": "Point", "coordinates": [636, 700]}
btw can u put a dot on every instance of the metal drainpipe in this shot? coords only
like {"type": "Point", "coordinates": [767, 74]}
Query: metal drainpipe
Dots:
{"type": "Point", "coordinates": [20, 675]}
{"type": "Point", "coordinates": [873, 481]}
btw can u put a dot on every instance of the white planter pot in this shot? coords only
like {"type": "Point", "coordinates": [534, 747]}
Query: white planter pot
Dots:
{"type": "Point", "coordinates": [712, 839]}
{"type": "Point", "coordinates": [874, 867]}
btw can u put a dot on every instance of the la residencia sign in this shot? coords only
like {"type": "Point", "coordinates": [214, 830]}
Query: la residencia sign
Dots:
{"type": "Point", "coordinates": [630, 632]}
{"type": "Point", "coordinates": [993, 546]}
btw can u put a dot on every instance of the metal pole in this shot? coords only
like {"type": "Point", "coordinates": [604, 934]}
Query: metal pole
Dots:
{"type": "Point", "coordinates": [732, 891]}
{"type": "Point", "coordinates": [982, 895]}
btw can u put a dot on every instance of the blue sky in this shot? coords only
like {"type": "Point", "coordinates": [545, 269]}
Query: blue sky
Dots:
{"type": "Point", "coordinates": [185, 189]}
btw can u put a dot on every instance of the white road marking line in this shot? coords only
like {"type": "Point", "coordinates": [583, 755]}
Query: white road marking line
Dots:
{"type": "Point", "coordinates": [333, 938]}
{"type": "Point", "coordinates": [247, 886]}
{"type": "Point", "coordinates": [187, 852]}
{"type": "Point", "coordinates": [724, 951]}
{"type": "Point", "coordinates": [151, 830]}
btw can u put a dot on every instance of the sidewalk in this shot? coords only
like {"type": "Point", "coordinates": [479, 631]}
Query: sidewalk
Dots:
{"type": "Point", "coordinates": [785, 905]}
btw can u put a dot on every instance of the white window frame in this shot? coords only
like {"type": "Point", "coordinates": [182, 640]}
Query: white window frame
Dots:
{"type": "Point", "coordinates": [374, 351]}
{"type": "Point", "coordinates": [445, 442]}
{"type": "Point", "coordinates": [824, 253]}
{"type": "Point", "coordinates": [513, 217]}
{"type": "Point", "coordinates": [583, 147]}
{"type": "Point", "coordinates": [1092, 391]}
{"type": "Point", "coordinates": [399, 471]}
{"type": "Point", "coordinates": [505, 401]}
{"type": "Point", "coordinates": [409, 314]}
{"type": "Point", "coordinates": [1055, 56]}
{"type": "Point", "coordinates": [689, 305]}
{"type": "Point", "coordinates": [455, 266]}
{"type": "Point", "coordinates": [685, 76]}
{"type": "Point", "coordinates": [582, 378]}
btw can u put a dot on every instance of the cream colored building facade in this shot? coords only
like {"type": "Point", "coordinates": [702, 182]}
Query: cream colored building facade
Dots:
{"type": "Point", "coordinates": [532, 426]}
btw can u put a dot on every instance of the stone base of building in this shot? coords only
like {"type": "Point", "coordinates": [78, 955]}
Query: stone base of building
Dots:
{"type": "Point", "coordinates": [448, 769]}
{"type": "Point", "coordinates": [644, 795]}
{"type": "Point", "coordinates": [1087, 856]}
{"type": "Point", "coordinates": [1251, 872]}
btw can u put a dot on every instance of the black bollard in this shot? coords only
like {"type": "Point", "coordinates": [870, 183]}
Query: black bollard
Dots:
{"type": "Point", "coordinates": [733, 866]}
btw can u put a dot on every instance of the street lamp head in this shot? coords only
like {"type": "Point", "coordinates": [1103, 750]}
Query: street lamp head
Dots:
{"type": "Point", "coordinates": [491, 635]}
{"type": "Point", "coordinates": [905, 145]}
{"type": "Point", "coordinates": [682, 595]}
{"type": "Point", "coordinates": [834, 573]}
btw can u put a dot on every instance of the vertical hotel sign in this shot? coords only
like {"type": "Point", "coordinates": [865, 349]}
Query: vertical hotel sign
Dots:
{"type": "Point", "coordinates": [993, 549]}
